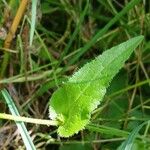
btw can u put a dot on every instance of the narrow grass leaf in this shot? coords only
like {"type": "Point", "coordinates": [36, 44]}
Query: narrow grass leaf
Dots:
{"type": "Point", "coordinates": [107, 130]}
{"type": "Point", "coordinates": [81, 19]}
{"type": "Point", "coordinates": [127, 145]}
{"type": "Point", "coordinates": [74, 102]}
{"type": "Point", "coordinates": [33, 20]}
{"type": "Point", "coordinates": [102, 31]}
{"type": "Point", "coordinates": [21, 126]}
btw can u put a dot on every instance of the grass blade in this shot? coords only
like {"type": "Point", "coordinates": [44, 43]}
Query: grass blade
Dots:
{"type": "Point", "coordinates": [75, 32]}
{"type": "Point", "coordinates": [33, 20]}
{"type": "Point", "coordinates": [104, 30]}
{"type": "Point", "coordinates": [21, 126]}
{"type": "Point", "coordinates": [127, 145]}
{"type": "Point", "coordinates": [107, 130]}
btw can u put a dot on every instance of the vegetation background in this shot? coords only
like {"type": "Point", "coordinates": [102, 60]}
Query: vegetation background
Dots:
{"type": "Point", "coordinates": [34, 71]}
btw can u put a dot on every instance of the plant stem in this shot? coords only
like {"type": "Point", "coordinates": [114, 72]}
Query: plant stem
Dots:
{"type": "Point", "coordinates": [11, 34]}
{"type": "Point", "coordinates": [29, 120]}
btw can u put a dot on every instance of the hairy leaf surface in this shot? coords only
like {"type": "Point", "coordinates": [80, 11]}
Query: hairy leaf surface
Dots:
{"type": "Point", "coordinates": [74, 102]}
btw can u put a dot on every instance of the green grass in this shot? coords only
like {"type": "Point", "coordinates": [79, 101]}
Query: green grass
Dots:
{"type": "Point", "coordinates": [21, 126]}
{"type": "Point", "coordinates": [70, 34]}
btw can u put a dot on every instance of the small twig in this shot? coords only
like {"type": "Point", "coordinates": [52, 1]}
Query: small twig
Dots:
{"type": "Point", "coordinates": [11, 33]}
{"type": "Point", "coordinates": [29, 120]}
{"type": "Point", "coordinates": [9, 50]}
{"type": "Point", "coordinates": [15, 23]}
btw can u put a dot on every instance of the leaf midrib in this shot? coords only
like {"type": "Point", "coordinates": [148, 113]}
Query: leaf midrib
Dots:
{"type": "Point", "coordinates": [88, 84]}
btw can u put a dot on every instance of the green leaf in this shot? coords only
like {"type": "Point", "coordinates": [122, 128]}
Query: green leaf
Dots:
{"type": "Point", "coordinates": [33, 19]}
{"type": "Point", "coordinates": [74, 102]}
{"type": "Point", "coordinates": [127, 145]}
{"type": "Point", "coordinates": [21, 126]}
